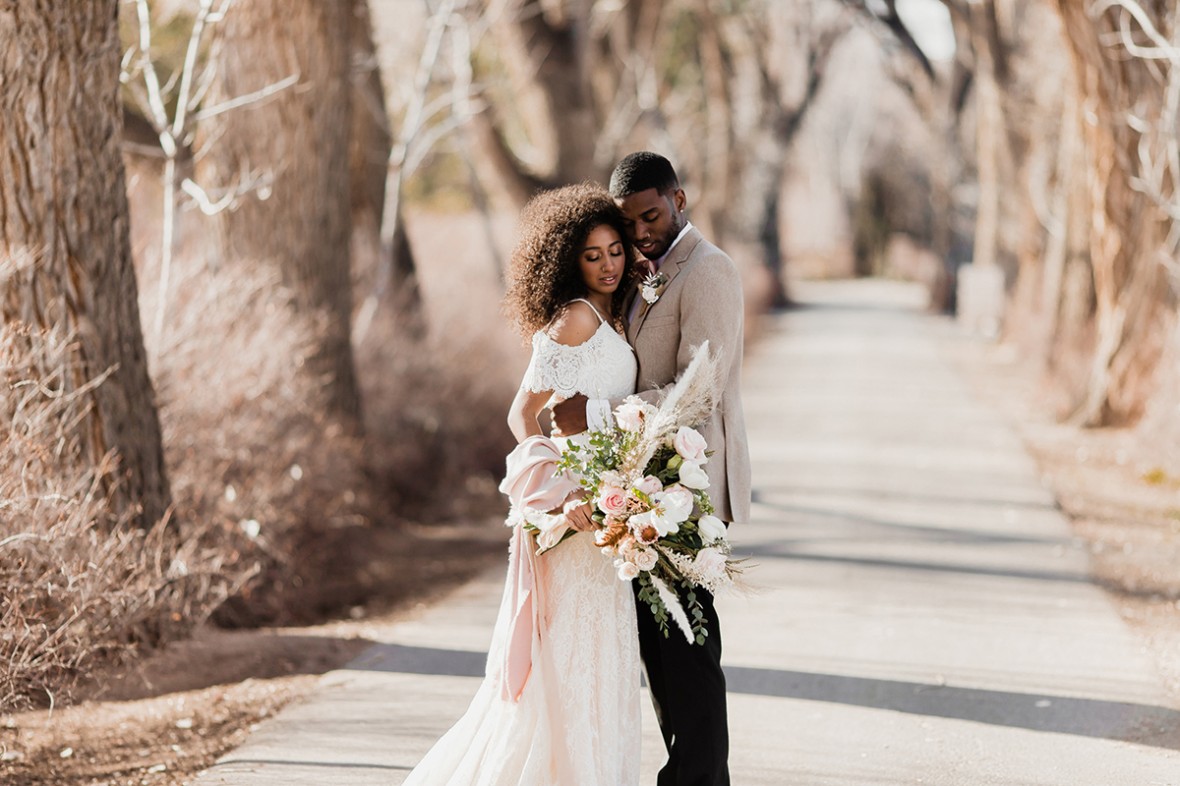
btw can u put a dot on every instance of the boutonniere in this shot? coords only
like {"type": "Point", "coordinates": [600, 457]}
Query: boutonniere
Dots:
{"type": "Point", "coordinates": [652, 287]}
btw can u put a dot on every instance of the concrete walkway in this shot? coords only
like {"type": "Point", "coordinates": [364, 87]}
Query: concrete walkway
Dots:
{"type": "Point", "coordinates": [924, 616]}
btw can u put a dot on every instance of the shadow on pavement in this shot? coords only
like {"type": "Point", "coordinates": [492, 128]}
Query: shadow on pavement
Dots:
{"type": "Point", "coordinates": [400, 659]}
{"type": "Point", "coordinates": [756, 551]}
{"type": "Point", "coordinates": [914, 531]}
{"type": "Point", "coordinates": [1144, 724]}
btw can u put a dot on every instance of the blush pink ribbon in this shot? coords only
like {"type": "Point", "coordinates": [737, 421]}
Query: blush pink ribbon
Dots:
{"type": "Point", "coordinates": [532, 481]}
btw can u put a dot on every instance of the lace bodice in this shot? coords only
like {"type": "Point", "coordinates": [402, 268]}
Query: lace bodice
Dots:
{"type": "Point", "coordinates": [602, 367]}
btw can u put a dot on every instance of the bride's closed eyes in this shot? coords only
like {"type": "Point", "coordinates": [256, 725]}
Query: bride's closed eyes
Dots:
{"type": "Point", "coordinates": [595, 254]}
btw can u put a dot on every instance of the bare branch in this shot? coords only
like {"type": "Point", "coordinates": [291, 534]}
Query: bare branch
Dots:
{"type": "Point", "coordinates": [1163, 49]}
{"type": "Point", "coordinates": [255, 97]}
{"type": "Point", "coordinates": [207, 204]}
{"type": "Point", "coordinates": [190, 62]}
{"type": "Point", "coordinates": [155, 102]}
{"type": "Point", "coordinates": [890, 19]}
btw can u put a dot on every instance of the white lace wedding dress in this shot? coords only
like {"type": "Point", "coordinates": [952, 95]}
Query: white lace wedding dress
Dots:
{"type": "Point", "coordinates": [577, 720]}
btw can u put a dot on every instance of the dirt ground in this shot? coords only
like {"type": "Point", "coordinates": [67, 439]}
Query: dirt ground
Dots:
{"type": "Point", "coordinates": [178, 710]}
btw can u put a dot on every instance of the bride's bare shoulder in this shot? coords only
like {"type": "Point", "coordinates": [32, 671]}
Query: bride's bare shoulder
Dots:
{"type": "Point", "coordinates": [575, 324]}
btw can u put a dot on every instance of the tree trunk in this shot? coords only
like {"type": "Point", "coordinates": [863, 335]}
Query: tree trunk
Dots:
{"type": "Point", "coordinates": [1069, 161]}
{"type": "Point", "coordinates": [990, 72]}
{"type": "Point", "coordinates": [302, 222]}
{"type": "Point", "coordinates": [64, 242]}
{"type": "Point", "coordinates": [764, 129]}
{"type": "Point", "coordinates": [370, 142]}
{"type": "Point", "coordinates": [1126, 228]}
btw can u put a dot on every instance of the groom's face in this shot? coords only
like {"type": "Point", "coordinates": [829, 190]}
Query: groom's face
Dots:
{"type": "Point", "coordinates": [654, 219]}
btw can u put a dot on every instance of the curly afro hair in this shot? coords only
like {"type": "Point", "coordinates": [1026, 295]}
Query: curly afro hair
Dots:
{"type": "Point", "coordinates": [544, 272]}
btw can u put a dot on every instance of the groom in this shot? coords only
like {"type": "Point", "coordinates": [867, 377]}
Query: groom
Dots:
{"type": "Point", "coordinates": [697, 298]}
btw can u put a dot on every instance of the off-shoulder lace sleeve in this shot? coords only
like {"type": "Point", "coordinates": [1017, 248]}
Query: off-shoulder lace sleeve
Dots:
{"type": "Point", "coordinates": [564, 369]}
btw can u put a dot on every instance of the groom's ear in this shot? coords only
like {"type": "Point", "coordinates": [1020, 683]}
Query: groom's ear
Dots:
{"type": "Point", "coordinates": [679, 199]}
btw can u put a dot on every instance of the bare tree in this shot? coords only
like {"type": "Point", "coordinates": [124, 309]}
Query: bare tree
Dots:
{"type": "Point", "coordinates": [302, 225]}
{"type": "Point", "coordinates": [765, 66]}
{"type": "Point", "coordinates": [370, 147]}
{"type": "Point", "coordinates": [175, 133]}
{"type": "Point", "coordinates": [1132, 170]}
{"type": "Point", "coordinates": [581, 74]}
{"type": "Point", "coordinates": [424, 123]}
{"type": "Point", "coordinates": [65, 260]}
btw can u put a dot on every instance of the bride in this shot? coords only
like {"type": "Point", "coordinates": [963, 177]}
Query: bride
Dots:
{"type": "Point", "coordinates": [559, 704]}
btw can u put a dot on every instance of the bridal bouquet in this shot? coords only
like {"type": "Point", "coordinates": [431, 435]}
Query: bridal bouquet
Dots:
{"type": "Point", "coordinates": [646, 481]}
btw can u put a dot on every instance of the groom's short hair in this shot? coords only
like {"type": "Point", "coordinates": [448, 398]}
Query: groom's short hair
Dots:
{"type": "Point", "coordinates": [641, 171]}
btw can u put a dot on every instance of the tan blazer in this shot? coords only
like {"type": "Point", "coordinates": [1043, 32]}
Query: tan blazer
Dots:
{"type": "Point", "coordinates": [702, 301]}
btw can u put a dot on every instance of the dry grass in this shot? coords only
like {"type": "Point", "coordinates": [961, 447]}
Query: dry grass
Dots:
{"type": "Point", "coordinates": [80, 584]}
{"type": "Point", "coordinates": [248, 446]}
{"type": "Point", "coordinates": [281, 515]}
{"type": "Point", "coordinates": [436, 406]}
{"type": "Point", "coordinates": [436, 423]}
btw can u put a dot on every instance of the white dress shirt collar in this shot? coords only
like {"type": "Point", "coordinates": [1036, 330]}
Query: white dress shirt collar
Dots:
{"type": "Point", "coordinates": [658, 262]}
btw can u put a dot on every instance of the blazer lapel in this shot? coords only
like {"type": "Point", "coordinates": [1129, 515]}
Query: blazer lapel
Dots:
{"type": "Point", "coordinates": [671, 268]}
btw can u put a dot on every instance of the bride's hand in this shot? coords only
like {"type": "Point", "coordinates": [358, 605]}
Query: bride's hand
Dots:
{"type": "Point", "coordinates": [579, 519]}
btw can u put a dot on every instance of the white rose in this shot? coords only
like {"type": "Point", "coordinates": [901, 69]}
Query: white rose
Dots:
{"type": "Point", "coordinates": [693, 476]}
{"type": "Point", "coordinates": [710, 563]}
{"type": "Point", "coordinates": [676, 502]}
{"type": "Point", "coordinates": [711, 529]}
{"type": "Point", "coordinates": [648, 293]}
{"type": "Point", "coordinates": [646, 559]}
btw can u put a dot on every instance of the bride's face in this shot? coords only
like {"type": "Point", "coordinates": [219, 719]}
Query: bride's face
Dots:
{"type": "Point", "coordinates": [603, 259]}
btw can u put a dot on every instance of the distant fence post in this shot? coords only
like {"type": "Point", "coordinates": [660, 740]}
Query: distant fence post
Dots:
{"type": "Point", "coordinates": [980, 296]}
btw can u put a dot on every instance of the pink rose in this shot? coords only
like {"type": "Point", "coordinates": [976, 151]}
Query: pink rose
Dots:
{"type": "Point", "coordinates": [645, 559]}
{"type": "Point", "coordinates": [689, 444]}
{"type": "Point", "coordinates": [649, 485]}
{"type": "Point", "coordinates": [612, 501]}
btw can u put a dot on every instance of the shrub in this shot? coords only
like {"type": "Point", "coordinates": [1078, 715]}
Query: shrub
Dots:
{"type": "Point", "coordinates": [81, 585]}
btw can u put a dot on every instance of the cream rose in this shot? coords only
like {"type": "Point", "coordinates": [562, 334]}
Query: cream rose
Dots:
{"type": "Point", "coordinates": [710, 563]}
{"type": "Point", "coordinates": [646, 559]}
{"type": "Point", "coordinates": [627, 570]}
{"type": "Point", "coordinates": [629, 415]}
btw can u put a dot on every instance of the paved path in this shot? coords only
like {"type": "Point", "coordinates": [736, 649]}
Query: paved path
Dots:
{"type": "Point", "coordinates": [925, 617]}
